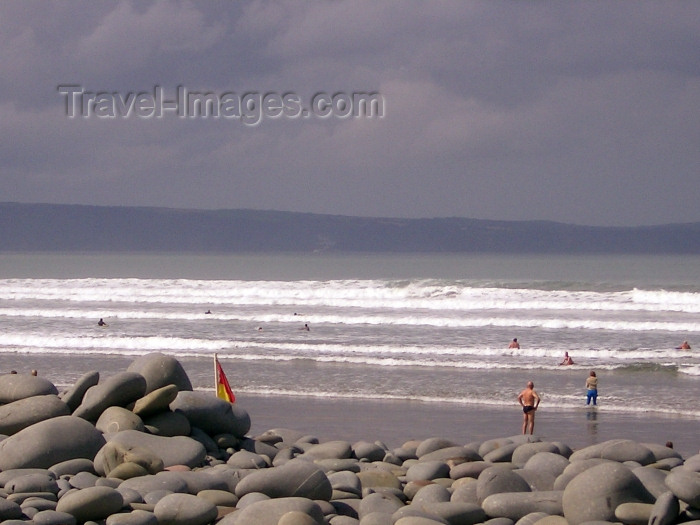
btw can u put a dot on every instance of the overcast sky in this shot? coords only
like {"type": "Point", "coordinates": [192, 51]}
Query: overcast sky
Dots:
{"type": "Point", "coordinates": [578, 112]}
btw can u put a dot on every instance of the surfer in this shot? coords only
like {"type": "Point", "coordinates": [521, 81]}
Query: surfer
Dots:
{"type": "Point", "coordinates": [567, 359]}
{"type": "Point", "coordinates": [207, 312]}
{"type": "Point", "coordinates": [101, 322]}
{"type": "Point", "coordinates": [591, 388]}
{"type": "Point", "coordinates": [306, 327]}
{"type": "Point", "coordinates": [514, 344]}
{"type": "Point", "coordinates": [529, 400]}
{"type": "Point", "coordinates": [684, 346]}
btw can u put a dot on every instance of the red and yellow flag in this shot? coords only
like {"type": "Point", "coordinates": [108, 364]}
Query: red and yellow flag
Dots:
{"type": "Point", "coordinates": [223, 389]}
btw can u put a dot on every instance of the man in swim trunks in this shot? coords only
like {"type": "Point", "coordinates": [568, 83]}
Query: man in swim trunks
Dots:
{"type": "Point", "coordinates": [529, 400]}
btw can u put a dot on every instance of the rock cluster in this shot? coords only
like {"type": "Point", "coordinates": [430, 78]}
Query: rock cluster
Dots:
{"type": "Point", "coordinates": [142, 448]}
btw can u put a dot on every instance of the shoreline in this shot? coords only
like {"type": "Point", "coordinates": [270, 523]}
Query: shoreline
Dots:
{"type": "Point", "coordinates": [396, 421]}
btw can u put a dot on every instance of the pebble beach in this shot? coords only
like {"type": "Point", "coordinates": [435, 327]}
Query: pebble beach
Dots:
{"type": "Point", "coordinates": [142, 447]}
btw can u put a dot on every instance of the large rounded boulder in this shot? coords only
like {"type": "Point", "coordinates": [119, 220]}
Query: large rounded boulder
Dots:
{"type": "Point", "coordinates": [211, 414]}
{"type": "Point", "coordinates": [24, 413]}
{"type": "Point", "coordinates": [119, 390]}
{"type": "Point", "coordinates": [14, 387]}
{"type": "Point", "coordinates": [50, 442]}
{"type": "Point", "coordinates": [160, 370]}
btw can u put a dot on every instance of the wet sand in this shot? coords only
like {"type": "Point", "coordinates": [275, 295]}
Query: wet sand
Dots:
{"type": "Point", "coordinates": [394, 422]}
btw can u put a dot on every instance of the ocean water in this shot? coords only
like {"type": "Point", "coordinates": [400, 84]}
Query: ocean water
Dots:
{"type": "Point", "coordinates": [427, 328]}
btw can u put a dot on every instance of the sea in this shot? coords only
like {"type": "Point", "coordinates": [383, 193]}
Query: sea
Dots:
{"type": "Point", "coordinates": [430, 328]}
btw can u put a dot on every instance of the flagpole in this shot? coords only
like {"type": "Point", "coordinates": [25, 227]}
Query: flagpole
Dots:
{"type": "Point", "coordinates": [216, 377]}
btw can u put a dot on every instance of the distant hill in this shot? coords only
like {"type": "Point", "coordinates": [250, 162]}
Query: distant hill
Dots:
{"type": "Point", "coordinates": [54, 227]}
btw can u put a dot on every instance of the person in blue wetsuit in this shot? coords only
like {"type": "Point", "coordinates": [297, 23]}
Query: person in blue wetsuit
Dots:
{"type": "Point", "coordinates": [592, 388]}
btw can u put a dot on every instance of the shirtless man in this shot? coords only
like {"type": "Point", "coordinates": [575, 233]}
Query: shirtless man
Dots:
{"type": "Point", "coordinates": [529, 400]}
{"type": "Point", "coordinates": [514, 344]}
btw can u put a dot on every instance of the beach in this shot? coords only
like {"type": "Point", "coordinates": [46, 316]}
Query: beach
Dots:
{"type": "Point", "coordinates": [394, 422]}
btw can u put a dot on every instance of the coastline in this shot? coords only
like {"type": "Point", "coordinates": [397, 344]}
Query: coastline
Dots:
{"type": "Point", "coordinates": [396, 421]}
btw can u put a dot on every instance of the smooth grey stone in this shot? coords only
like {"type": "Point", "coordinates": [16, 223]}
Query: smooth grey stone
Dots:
{"type": "Point", "coordinates": [296, 517]}
{"type": "Point", "coordinates": [156, 401]}
{"type": "Point", "coordinates": [115, 419]}
{"type": "Point", "coordinates": [129, 495]}
{"type": "Point", "coordinates": [72, 466]}
{"type": "Point", "coordinates": [119, 390]}
{"type": "Point", "coordinates": [345, 481]}
{"type": "Point", "coordinates": [135, 517]}
{"type": "Point", "coordinates": [169, 424]}
{"type": "Point", "coordinates": [160, 370]}
{"type": "Point", "coordinates": [501, 454]}
{"type": "Point", "coordinates": [269, 512]}
{"type": "Point", "coordinates": [654, 480]}
{"type": "Point", "coordinates": [178, 450]}
{"type": "Point", "coordinates": [548, 462]}
{"type": "Point", "coordinates": [83, 480]}
{"type": "Point", "coordinates": [211, 414]}
{"type": "Point", "coordinates": [594, 494]}
{"type": "Point", "coordinates": [245, 459]}
{"type": "Point", "coordinates": [39, 504]}
{"type": "Point", "coordinates": [492, 444]}
{"type": "Point", "coordinates": [661, 451]}
{"type": "Point", "coordinates": [524, 452]}
{"type": "Point", "coordinates": [20, 497]}
{"type": "Point", "coordinates": [53, 517]}
{"type": "Point", "coordinates": [220, 498]}
{"type": "Point", "coordinates": [430, 494]}
{"type": "Point", "coordinates": [329, 450]}
{"type": "Point", "coordinates": [634, 513]}
{"type": "Point", "coordinates": [184, 509]}
{"type": "Point", "coordinates": [154, 497]}
{"type": "Point", "coordinates": [419, 520]}
{"type": "Point", "coordinates": [92, 503]}
{"type": "Point", "coordinates": [9, 510]}
{"type": "Point", "coordinates": [499, 521]}
{"type": "Point", "coordinates": [171, 481]}
{"type": "Point", "coordinates": [343, 520]}
{"type": "Point", "coordinates": [253, 445]}
{"type": "Point", "coordinates": [23, 413]}
{"type": "Point", "coordinates": [368, 451]}
{"type": "Point", "coordinates": [372, 518]}
{"type": "Point", "coordinates": [470, 469]}
{"type": "Point", "coordinates": [427, 470]}
{"type": "Point", "coordinates": [464, 491]}
{"type": "Point", "coordinates": [114, 454]}
{"type": "Point", "coordinates": [537, 480]}
{"type": "Point", "coordinates": [552, 520]}
{"type": "Point", "coordinates": [574, 469]}
{"type": "Point", "coordinates": [665, 510]}
{"type": "Point", "coordinates": [49, 442]}
{"type": "Point", "coordinates": [619, 450]}
{"type": "Point", "coordinates": [7, 475]}
{"type": "Point", "coordinates": [516, 505]}
{"type": "Point", "coordinates": [457, 513]}
{"type": "Point", "coordinates": [459, 454]}
{"type": "Point", "coordinates": [337, 465]}
{"type": "Point", "coordinates": [685, 485]}
{"type": "Point", "coordinates": [384, 503]}
{"type": "Point", "coordinates": [249, 499]}
{"type": "Point", "coordinates": [74, 396]}
{"type": "Point", "coordinates": [564, 449]}
{"type": "Point", "coordinates": [295, 478]}
{"type": "Point", "coordinates": [409, 511]}
{"type": "Point", "coordinates": [495, 480]}
{"type": "Point", "coordinates": [32, 483]}
{"type": "Point", "coordinates": [432, 444]}
{"type": "Point", "coordinates": [206, 479]}
{"type": "Point", "coordinates": [532, 518]}
{"type": "Point", "coordinates": [378, 478]}
{"type": "Point", "coordinates": [199, 435]}
{"type": "Point", "coordinates": [14, 387]}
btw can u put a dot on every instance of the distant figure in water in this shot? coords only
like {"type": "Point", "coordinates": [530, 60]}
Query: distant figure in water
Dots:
{"type": "Point", "coordinates": [101, 322]}
{"type": "Point", "coordinates": [529, 400]}
{"type": "Point", "coordinates": [306, 327]}
{"type": "Point", "coordinates": [207, 312]}
{"type": "Point", "coordinates": [514, 343]}
{"type": "Point", "coordinates": [567, 359]}
{"type": "Point", "coordinates": [592, 388]}
{"type": "Point", "coordinates": [684, 346]}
